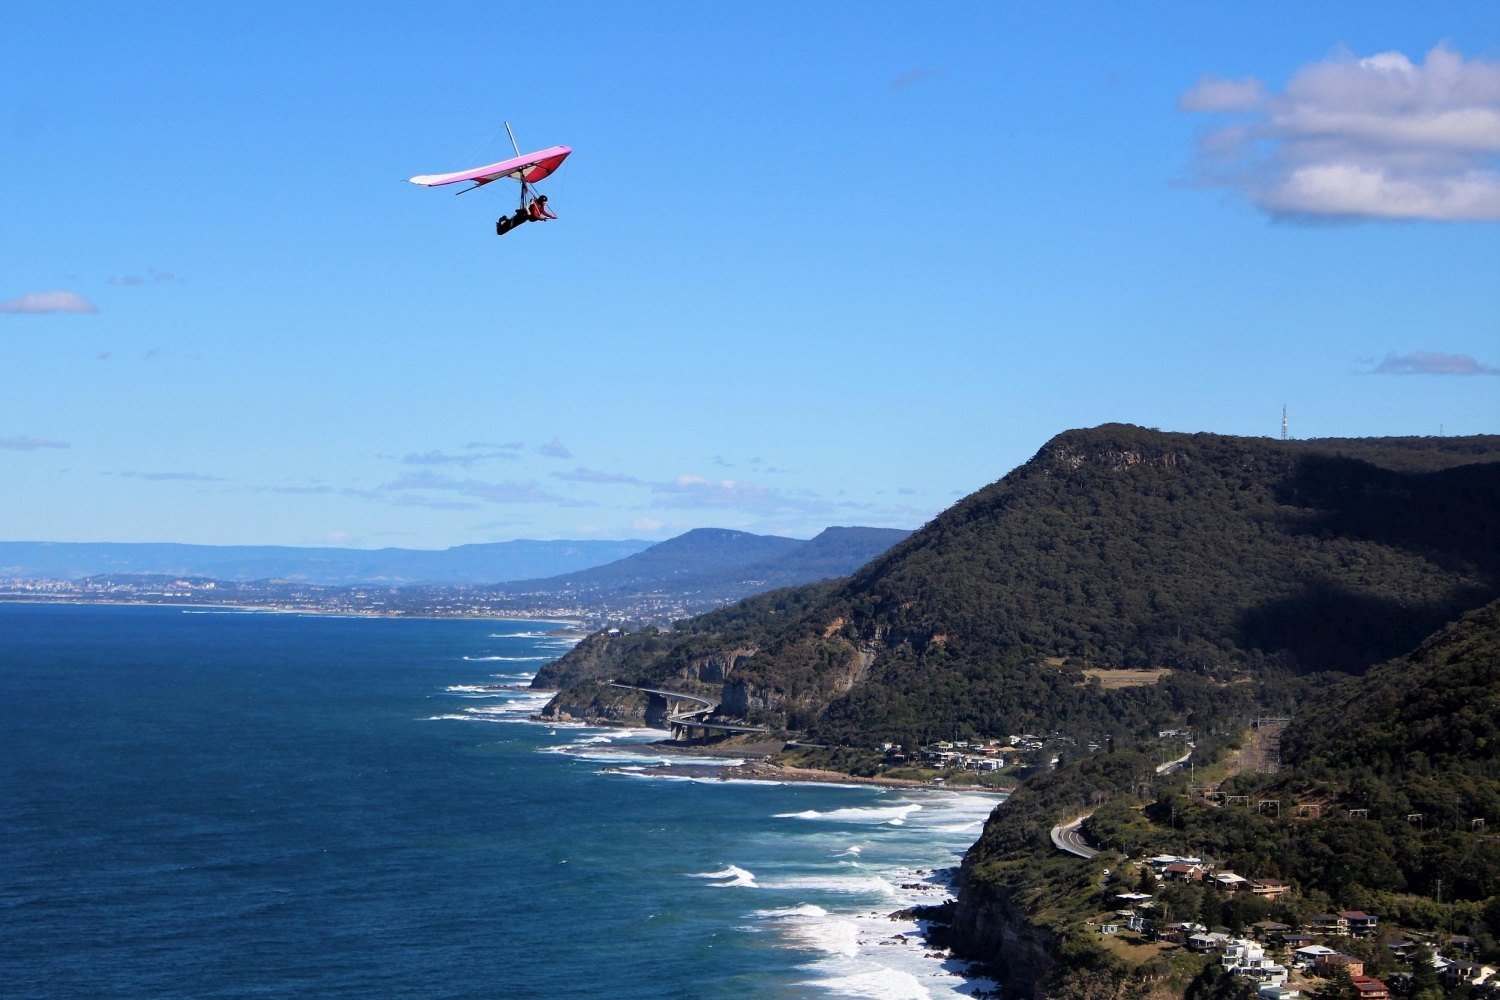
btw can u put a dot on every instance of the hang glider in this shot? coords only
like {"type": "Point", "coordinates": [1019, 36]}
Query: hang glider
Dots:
{"type": "Point", "coordinates": [527, 169]}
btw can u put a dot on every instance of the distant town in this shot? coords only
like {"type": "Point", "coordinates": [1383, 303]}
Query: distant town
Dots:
{"type": "Point", "coordinates": [413, 601]}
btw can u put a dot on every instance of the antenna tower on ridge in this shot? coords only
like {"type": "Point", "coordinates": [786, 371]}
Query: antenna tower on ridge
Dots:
{"type": "Point", "coordinates": [1283, 421]}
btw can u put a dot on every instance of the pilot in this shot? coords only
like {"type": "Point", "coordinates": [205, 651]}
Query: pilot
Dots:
{"type": "Point", "coordinates": [538, 211]}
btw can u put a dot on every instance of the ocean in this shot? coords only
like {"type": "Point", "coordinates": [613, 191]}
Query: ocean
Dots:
{"type": "Point", "coordinates": [201, 803]}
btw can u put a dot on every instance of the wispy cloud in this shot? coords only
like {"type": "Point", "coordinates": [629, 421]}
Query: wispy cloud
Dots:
{"type": "Point", "coordinates": [1433, 363]}
{"type": "Point", "coordinates": [58, 301]}
{"type": "Point", "coordinates": [151, 277]}
{"type": "Point", "coordinates": [24, 442]}
{"type": "Point", "coordinates": [1353, 138]}
{"type": "Point", "coordinates": [582, 475]}
{"type": "Point", "coordinates": [554, 449]}
{"type": "Point", "coordinates": [462, 459]}
{"type": "Point", "coordinates": [511, 447]}
{"type": "Point", "coordinates": [164, 477]}
{"type": "Point", "coordinates": [1217, 95]}
{"type": "Point", "coordinates": [913, 77]}
{"type": "Point", "coordinates": [507, 492]}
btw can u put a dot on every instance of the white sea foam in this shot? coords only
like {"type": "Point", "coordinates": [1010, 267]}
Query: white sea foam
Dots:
{"type": "Point", "coordinates": [880, 984]}
{"type": "Point", "coordinates": [520, 635]}
{"type": "Point", "coordinates": [803, 910]}
{"type": "Point", "coordinates": [894, 815]}
{"type": "Point", "coordinates": [487, 690]}
{"type": "Point", "coordinates": [735, 876]}
{"type": "Point", "coordinates": [845, 884]}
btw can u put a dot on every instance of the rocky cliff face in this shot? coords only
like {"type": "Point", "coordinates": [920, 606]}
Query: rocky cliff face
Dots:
{"type": "Point", "coordinates": [598, 703]}
{"type": "Point", "coordinates": [991, 926]}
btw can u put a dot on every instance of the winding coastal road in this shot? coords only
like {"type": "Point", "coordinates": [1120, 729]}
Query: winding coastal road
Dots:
{"type": "Point", "coordinates": [1068, 837]}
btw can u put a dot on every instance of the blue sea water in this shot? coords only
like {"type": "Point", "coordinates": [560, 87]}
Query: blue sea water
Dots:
{"type": "Point", "coordinates": [221, 804]}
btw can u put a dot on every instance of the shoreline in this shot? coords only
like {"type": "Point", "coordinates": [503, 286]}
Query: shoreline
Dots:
{"type": "Point", "coordinates": [759, 767]}
{"type": "Point", "coordinates": [571, 624]}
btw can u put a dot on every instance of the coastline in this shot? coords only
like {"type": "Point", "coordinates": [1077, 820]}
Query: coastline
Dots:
{"type": "Point", "coordinates": [757, 766]}
{"type": "Point", "coordinates": [570, 625]}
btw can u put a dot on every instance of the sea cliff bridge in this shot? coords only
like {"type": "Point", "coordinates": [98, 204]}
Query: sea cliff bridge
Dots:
{"type": "Point", "coordinates": [687, 714]}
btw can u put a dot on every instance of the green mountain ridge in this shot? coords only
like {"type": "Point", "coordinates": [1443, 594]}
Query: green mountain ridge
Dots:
{"type": "Point", "coordinates": [1217, 557]}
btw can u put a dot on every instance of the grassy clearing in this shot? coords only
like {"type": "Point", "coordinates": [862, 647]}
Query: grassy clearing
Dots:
{"type": "Point", "coordinates": [1110, 679]}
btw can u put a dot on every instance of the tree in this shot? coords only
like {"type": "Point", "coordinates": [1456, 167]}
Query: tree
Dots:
{"type": "Point", "coordinates": [1338, 986]}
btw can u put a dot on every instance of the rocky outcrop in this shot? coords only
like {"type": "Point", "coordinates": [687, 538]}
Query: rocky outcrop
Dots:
{"type": "Point", "coordinates": [597, 703]}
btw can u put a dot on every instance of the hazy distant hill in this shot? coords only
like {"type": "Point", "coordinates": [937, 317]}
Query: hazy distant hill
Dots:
{"type": "Point", "coordinates": [715, 565]}
{"type": "Point", "coordinates": [695, 553]}
{"type": "Point", "coordinates": [465, 564]}
{"type": "Point", "coordinates": [1116, 546]}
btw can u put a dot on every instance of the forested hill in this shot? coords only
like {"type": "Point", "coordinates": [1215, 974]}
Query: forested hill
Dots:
{"type": "Point", "coordinates": [1113, 547]}
{"type": "Point", "coordinates": [1435, 711]}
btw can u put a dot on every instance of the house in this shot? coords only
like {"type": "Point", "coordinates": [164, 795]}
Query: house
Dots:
{"type": "Point", "coordinates": [1371, 988]}
{"type": "Point", "coordinates": [1178, 932]}
{"type": "Point", "coordinates": [1248, 959]}
{"type": "Point", "coordinates": [1269, 888]}
{"type": "Point", "coordinates": [1229, 881]}
{"type": "Point", "coordinates": [1268, 930]}
{"type": "Point", "coordinates": [1296, 942]}
{"type": "Point", "coordinates": [1360, 923]}
{"type": "Point", "coordinates": [1181, 871]}
{"type": "Point", "coordinates": [1277, 992]}
{"type": "Point", "coordinates": [1309, 955]}
{"type": "Point", "coordinates": [1459, 971]}
{"type": "Point", "coordinates": [1401, 949]}
{"type": "Point", "coordinates": [1328, 923]}
{"type": "Point", "coordinates": [1207, 941]}
{"type": "Point", "coordinates": [1243, 954]}
{"type": "Point", "coordinates": [1327, 963]}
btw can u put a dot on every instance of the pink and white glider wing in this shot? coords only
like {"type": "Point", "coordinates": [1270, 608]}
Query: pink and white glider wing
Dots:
{"type": "Point", "coordinates": [529, 168]}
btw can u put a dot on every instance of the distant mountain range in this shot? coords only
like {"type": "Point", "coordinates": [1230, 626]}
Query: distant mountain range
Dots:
{"type": "Point", "coordinates": [624, 580]}
{"type": "Point", "coordinates": [494, 562]}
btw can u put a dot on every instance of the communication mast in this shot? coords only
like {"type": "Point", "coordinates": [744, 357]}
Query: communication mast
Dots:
{"type": "Point", "coordinates": [1283, 421]}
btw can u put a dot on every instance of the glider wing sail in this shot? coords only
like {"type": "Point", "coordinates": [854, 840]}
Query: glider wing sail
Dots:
{"type": "Point", "coordinates": [529, 169]}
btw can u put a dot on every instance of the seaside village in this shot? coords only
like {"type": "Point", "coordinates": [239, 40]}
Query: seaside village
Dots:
{"type": "Point", "coordinates": [1280, 961]}
{"type": "Point", "coordinates": [982, 757]}
{"type": "Point", "coordinates": [1283, 962]}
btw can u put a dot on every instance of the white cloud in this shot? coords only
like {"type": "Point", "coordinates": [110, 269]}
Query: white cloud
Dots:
{"type": "Point", "coordinates": [1373, 138]}
{"type": "Point", "coordinates": [1433, 363]}
{"type": "Point", "coordinates": [49, 302]}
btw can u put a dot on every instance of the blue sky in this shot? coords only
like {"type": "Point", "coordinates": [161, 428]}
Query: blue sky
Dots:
{"type": "Point", "coordinates": [817, 263]}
